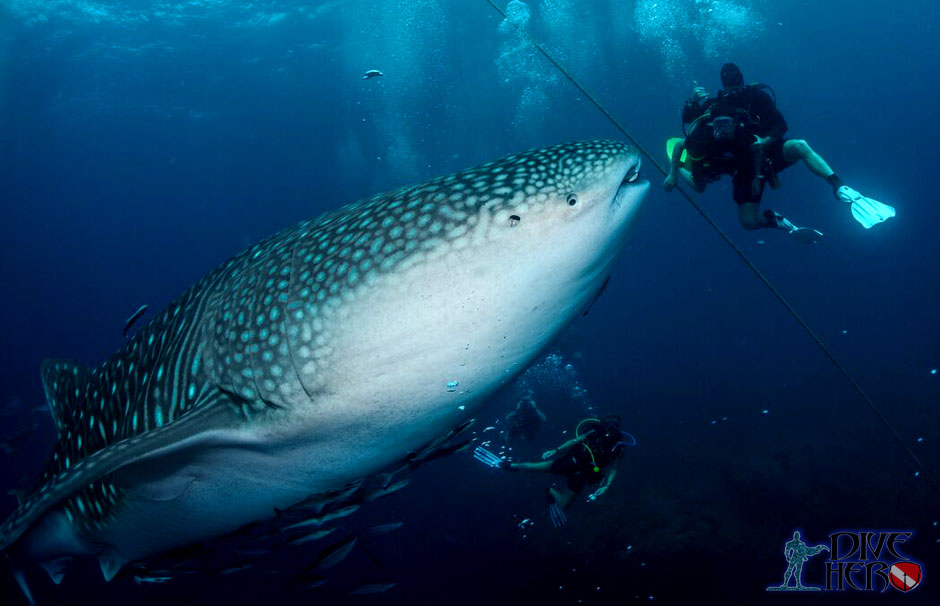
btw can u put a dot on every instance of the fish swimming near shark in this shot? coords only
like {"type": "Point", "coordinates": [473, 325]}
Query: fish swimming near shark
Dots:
{"type": "Point", "coordinates": [323, 355]}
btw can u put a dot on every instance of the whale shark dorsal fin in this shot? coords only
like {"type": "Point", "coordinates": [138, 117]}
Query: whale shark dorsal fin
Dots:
{"type": "Point", "coordinates": [64, 383]}
{"type": "Point", "coordinates": [213, 424]}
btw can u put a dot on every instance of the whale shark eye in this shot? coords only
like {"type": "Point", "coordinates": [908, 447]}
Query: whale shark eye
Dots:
{"type": "Point", "coordinates": [514, 220]}
{"type": "Point", "coordinates": [633, 175]}
{"type": "Point", "coordinates": [572, 199]}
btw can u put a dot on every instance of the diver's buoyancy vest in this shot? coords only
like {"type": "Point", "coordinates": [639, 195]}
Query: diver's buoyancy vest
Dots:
{"type": "Point", "coordinates": [728, 122]}
{"type": "Point", "coordinates": [729, 115]}
{"type": "Point", "coordinates": [731, 111]}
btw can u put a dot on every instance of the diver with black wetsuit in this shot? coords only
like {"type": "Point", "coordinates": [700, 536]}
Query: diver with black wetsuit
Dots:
{"type": "Point", "coordinates": [743, 138]}
{"type": "Point", "coordinates": [587, 460]}
{"type": "Point", "coordinates": [740, 132]}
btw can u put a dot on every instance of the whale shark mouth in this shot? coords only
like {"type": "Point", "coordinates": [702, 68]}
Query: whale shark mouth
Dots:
{"type": "Point", "coordinates": [630, 180]}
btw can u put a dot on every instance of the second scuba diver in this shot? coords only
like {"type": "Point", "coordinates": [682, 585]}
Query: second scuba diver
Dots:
{"type": "Point", "coordinates": [587, 460]}
{"type": "Point", "coordinates": [740, 132]}
{"type": "Point", "coordinates": [525, 420]}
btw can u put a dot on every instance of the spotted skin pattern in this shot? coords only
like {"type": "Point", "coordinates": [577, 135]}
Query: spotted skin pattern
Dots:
{"type": "Point", "coordinates": [252, 334]}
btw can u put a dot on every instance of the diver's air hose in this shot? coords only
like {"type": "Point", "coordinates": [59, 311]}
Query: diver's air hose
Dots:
{"type": "Point", "coordinates": [577, 435]}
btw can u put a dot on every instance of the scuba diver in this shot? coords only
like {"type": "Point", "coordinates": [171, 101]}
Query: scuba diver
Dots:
{"type": "Point", "coordinates": [525, 420]}
{"type": "Point", "coordinates": [587, 460]}
{"type": "Point", "coordinates": [740, 132]}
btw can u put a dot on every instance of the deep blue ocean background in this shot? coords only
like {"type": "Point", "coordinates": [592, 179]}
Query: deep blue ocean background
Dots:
{"type": "Point", "coordinates": [143, 143]}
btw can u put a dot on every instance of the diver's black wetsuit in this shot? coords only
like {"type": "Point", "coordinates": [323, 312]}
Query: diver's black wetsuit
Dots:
{"type": "Point", "coordinates": [753, 112]}
{"type": "Point", "coordinates": [578, 464]}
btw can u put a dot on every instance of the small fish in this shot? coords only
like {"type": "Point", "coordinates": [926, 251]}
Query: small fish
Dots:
{"type": "Point", "coordinates": [234, 569]}
{"type": "Point", "coordinates": [317, 502]}
{"type": "Point", "coordinates": [313, 536]}
{"type": "Point", "coordinates": [385, 479]}
{"type": "Point", "coordinates": [320, 521]}
{"type": "Point", "coordinates": [372, 73]}
{"type": "Point", "coordinates": [315, 582]}
{"type": "Point", "coordinates": [372, 588]}
{"type": "Point", "coordinates": [443, 451]}
{"type": "Point", "coordinates": [384, 492]}
{"type": "Point", "coordinates": [386, 528]}
{"type": "Point", "coordinates": [134, 317]}
{"type": "Point", "coordinates": [150, 579]}
{"type": "Point", "coordinates": [332, 555]}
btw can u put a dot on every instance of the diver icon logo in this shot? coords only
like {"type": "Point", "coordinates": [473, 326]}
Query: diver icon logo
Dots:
{"type": "Point", "coordinates": [905, 575]}
{"type": "Point", "coordinates": [797, 552]}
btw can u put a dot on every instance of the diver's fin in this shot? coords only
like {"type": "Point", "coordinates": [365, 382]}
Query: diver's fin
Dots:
{"type": "Point", "coordinates": [555, 511]}
{"type": "Point", "coordinates": [806, 235]}
{"type": "Point", "coordinates": [866, 211]}
{"type": "Point", "coordinates": [487, 458]}
{"type": "Point", "coordinates": [201, 427]}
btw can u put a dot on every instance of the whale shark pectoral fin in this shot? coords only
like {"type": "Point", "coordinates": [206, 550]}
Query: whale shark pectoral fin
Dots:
{"type": "Point", "coordinates": [200, 428]}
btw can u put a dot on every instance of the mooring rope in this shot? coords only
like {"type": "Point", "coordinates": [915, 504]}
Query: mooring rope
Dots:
{"type": "Point", "coordinates": [750, 264]}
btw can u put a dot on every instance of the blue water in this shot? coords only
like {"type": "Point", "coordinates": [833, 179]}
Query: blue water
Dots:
{"type": "Point", "coordinates": [146, 142]}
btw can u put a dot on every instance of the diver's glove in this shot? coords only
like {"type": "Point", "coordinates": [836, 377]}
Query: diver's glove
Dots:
{"type": "Point", "coordinates": [601, 490]}
{"type": "Point", "coordinates": [670, 183]}
{"type": "Point", "coordinates": [548, 454]}
{"type": "Point", "coordinates": [759, 142]}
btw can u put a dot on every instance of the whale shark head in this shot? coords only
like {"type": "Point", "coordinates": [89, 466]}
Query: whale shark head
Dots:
{"type": "Point", "coordinates": [503, 257]}
{"type": "Point", "coordinates": [565, 215]}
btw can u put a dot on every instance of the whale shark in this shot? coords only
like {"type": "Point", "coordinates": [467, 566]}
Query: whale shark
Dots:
{"type": "Point", "coordinates": [323, 354]}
